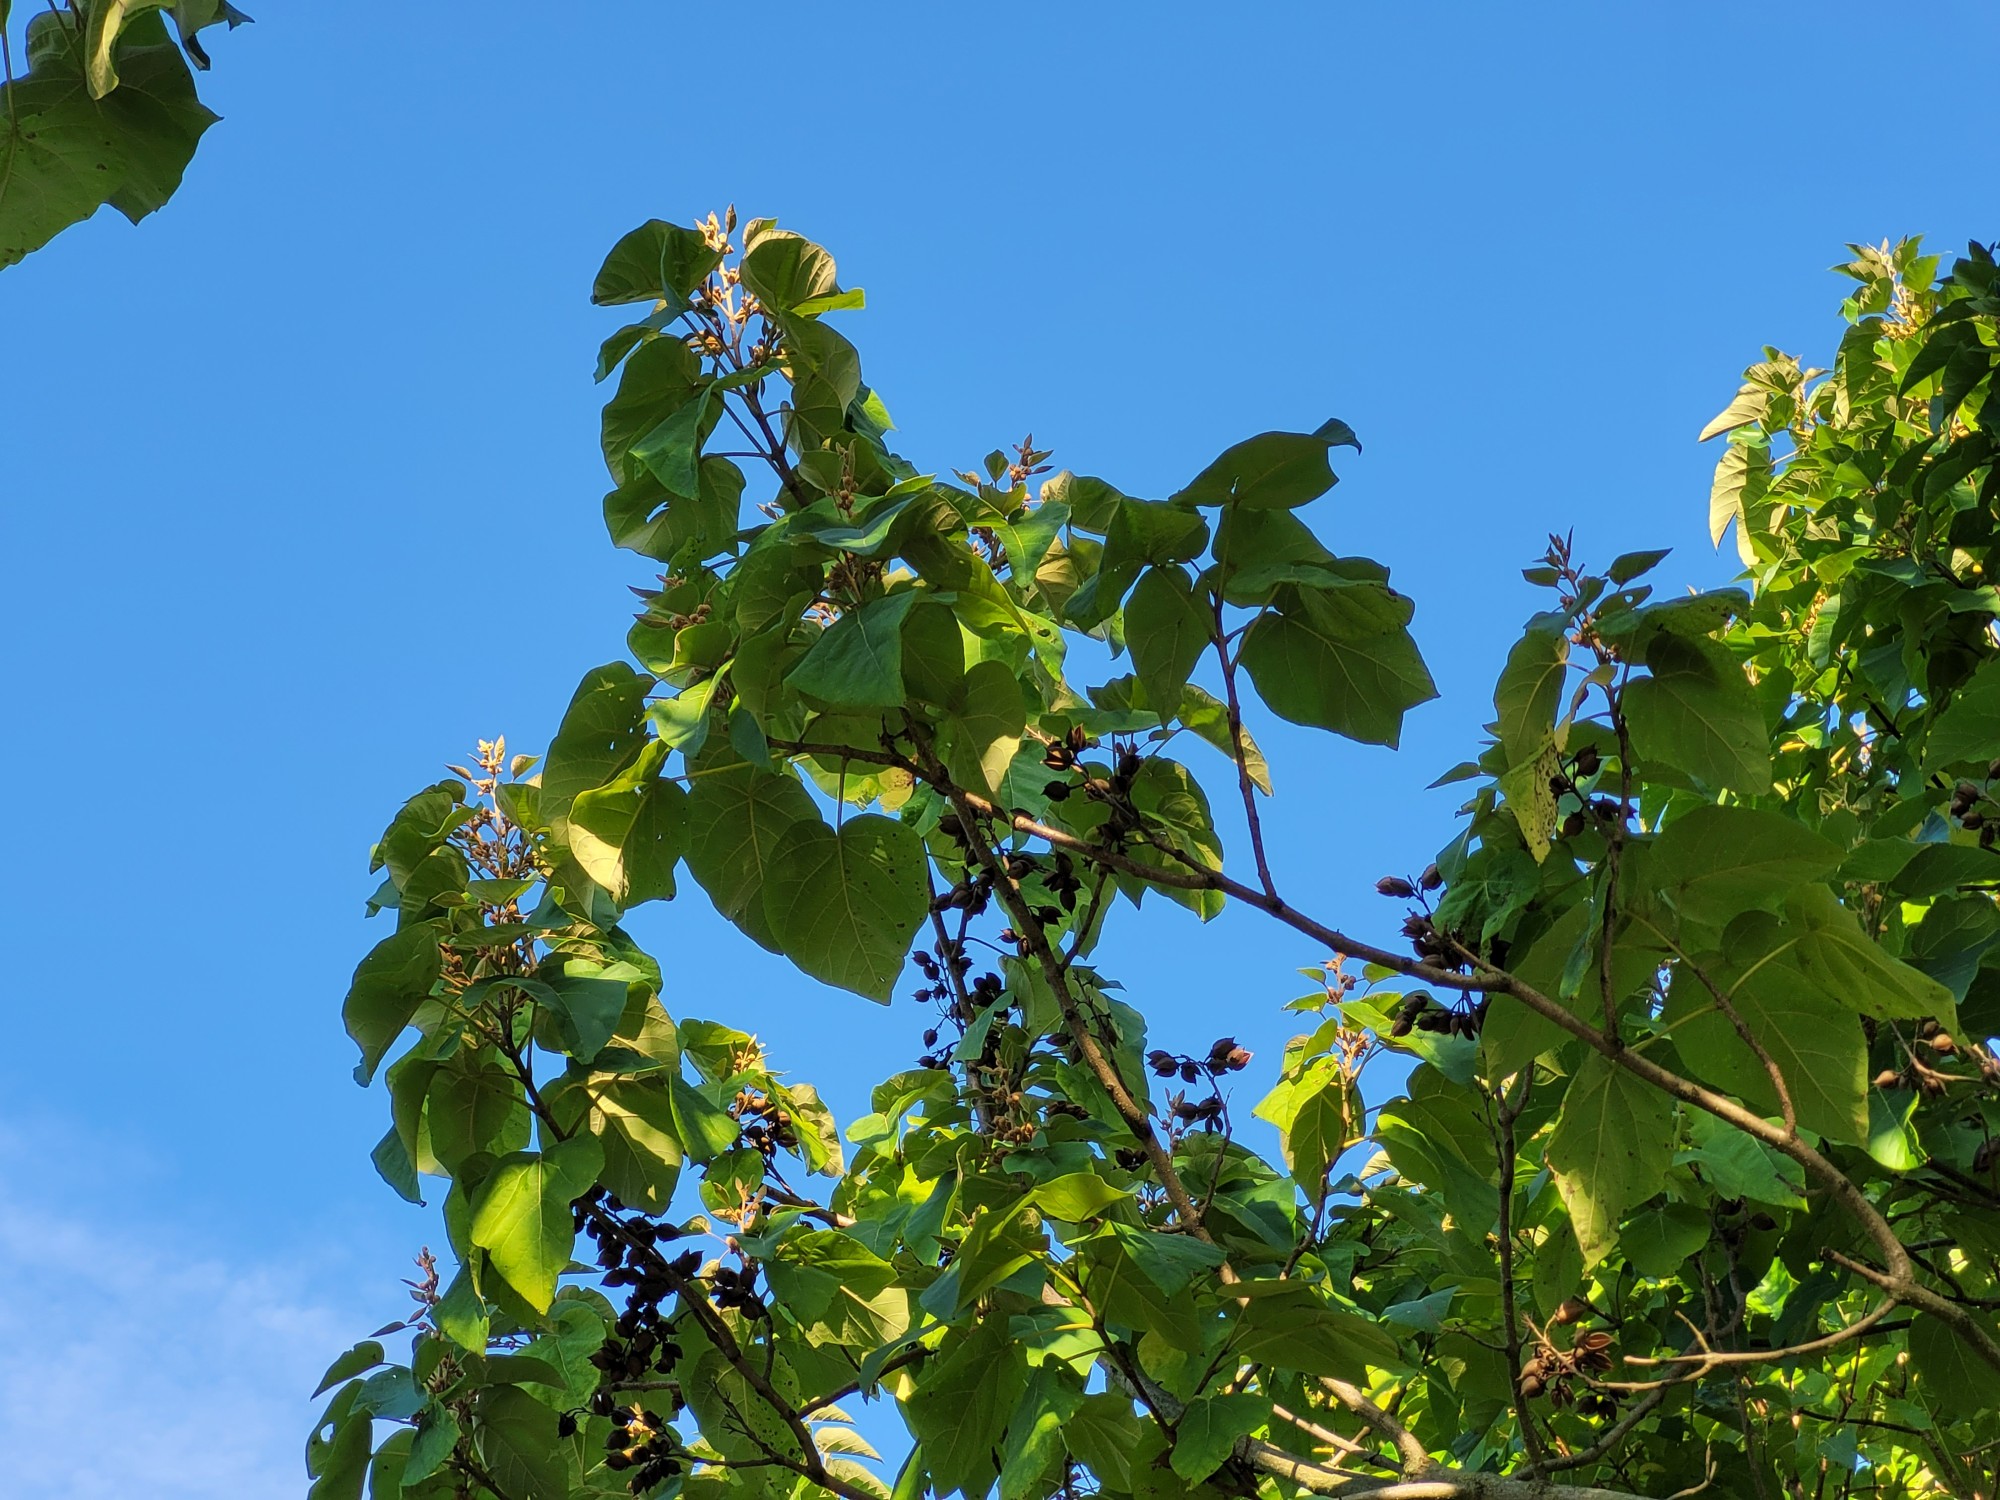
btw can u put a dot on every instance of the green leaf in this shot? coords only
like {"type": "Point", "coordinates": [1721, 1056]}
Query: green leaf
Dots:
{"type": "Point", "coordinates": [475, 1105]}
{"type": "Point", "coordinates": [644, 517]}
{"type": "Point", "coordinates": [629, 839]}
{"type": "Point", "coordinates": [1209, 1429]}
{"type": "Point", "coordinates": [64, 153]}
{"type": "Point", "coordinates": [1609, 1150]}
{"type": "Point", "coordinates": [102, 25]}
{"type": "Point", "coordinates": [737, 818]}
{"type": "Point", "coordinates": [1274, 470]}
{"type": "Point", "coordinates": [1935, 869]}
{"type": "Point", "coordinates": [1317, 661]}
{"type": "Point", "coordinates": [365, 1355]}
{"type": "Point", "coordinates": [1659, 1242]}
{"type": "Point", "coordinates": [844, 906]}
{"type": "Point", "coordinates": [1528, 787]}
{"type": "Point", "coordinates": [1891, 1139]}
{"type": "Point", "coordinates": [656, 261]}
{"type": "Point", "coordinates": [1715, 862]}
{"type": "Point", "coordinates": [397, 1167]}
{"type": "Point", "coordinates": [681, 722]}
{"type": "Point", "coordinates": [1316, 1115]}
{"type": "Point", "coordinates": [859, 662]}
{"type": "Point", "coordinates": [1423, 1314]}
{"type": "Point", "coordinates": [392, 1394]}
{"type": "Point", "coordinates": [1036, 1437]}
{"type": "Point", "coordinates": [1969, 727]}
{"type": "Point", "coordinates": [1530, 689]}
{"type": "Point", "coordinates": [1175, 813]}
{"type": "Point", "coordinates": [670, 450]}
{"type": "Point", "coordinates": [784, 269]}
{"type": "Point", "coordinates": [1092, 502]}
{"type": "Point", "coordinates": [1742, 478]}
{"type": "Point", "coordinates": [1076, 1197]}
{"type": "Point", "coordinates": [1167, 629]}
{"type": "Point", "coordinates": [1170, 1262]}
{"type": "Point", "coordinates": [960, 1407]}
{"type": "Point", "coordinates": [522, 1219]}
{"type": "Point", "coordinates": [344, 1464]}
{"type": "Point", "coordinates": [635, 1122]}
{"type": "Point", "coordinates": [419, 827]}
{"type": "Point", "coordinates": [661, 376]}
{"type": "Point", "coordinates": [1816, 1045]}
{"type": "Point", "coordinates": [1954, 1380]}
{"type": "Point", "coordinates": [1289, 1326]}
{"type": "Point", "coordinates": [1204, 715]}
{"type": "Point", "coordinates": [1835, 957]}
{"type": "Point", "coordinates": [1736, 1165]}
{"type": "Point", "coordinates": [519, 1446]}
{"type": "Point", "coordinates": [461, 1315]}
{"type": "Point", "coordinates": [587, 1008]}
{"type": "Point", "coordinates": [1001, 1241]}
{"type": "Point", "coordinates": [1632, 565]}
{"type": "Point", "coordinates": [864, 534]}
{"type": "Point", "coordinates": [840, 1290]}
{"type": "Point", "coordinates": [1951, 944]}
{"type": "Point", "coordinates": [984, 727]}
{"type": "Point", "coordinates": [603, 730]}
{"type": "Point", "coordinates": [705, 1127]}
{"type": "Point", "coordinates": [1697, 714]}
{"type": "Point", "coordinates": [389, 984]}
{"type": "Point", "coordinates": [1749, 404]}
{"type": "Point", "coordinates": [436, 1437]}
{"type": "Point", "coordinates": [1692, 616]}
{"type": "Point", "coordinates": [1148, 532]}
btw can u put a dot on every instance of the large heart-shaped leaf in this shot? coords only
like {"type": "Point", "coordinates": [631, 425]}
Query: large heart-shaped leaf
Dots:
{"type": "Point", "coordinates": [737, 819]}
{"type": "Point", "coordinates": [844, 906]}
{"type": "Point", "coordinates": [522, 1220]}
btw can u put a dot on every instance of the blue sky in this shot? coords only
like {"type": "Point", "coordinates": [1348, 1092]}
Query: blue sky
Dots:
{"type": "Point", "coordinates": [300, 497]}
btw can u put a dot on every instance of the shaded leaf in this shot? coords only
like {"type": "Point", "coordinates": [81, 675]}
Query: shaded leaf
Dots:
{"type": "Point", "coordinates": [844, 906]}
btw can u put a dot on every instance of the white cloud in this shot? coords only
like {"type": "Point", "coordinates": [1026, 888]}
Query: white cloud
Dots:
{"type": "Point", "coordinates": [136, 1361]}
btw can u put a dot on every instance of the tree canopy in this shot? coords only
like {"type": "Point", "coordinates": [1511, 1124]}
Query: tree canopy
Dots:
{"type": "Point", "coordinates": [1657, 1154]}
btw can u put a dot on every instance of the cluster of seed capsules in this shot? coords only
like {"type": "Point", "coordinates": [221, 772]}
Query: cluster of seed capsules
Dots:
{"type": "Point", "coordinates": [1419, 1013]}
{"type": "Point", "coordinates": [982, 992]}
{"type": "Point", "coordinates": [641, 1349]}
{"type": "Point", "coordinates": [1553, 1371]}
{"type": "Point", "coordinates": [1225, 1056]}
{"type": "Point", "coordinates": [765, 1127]}
{"type": "Point", "coordinates": [1971, 804]}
